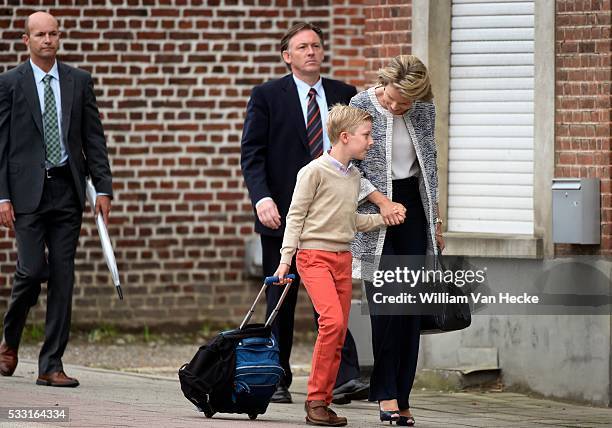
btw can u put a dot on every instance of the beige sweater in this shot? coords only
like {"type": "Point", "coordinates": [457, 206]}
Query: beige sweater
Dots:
{"type": "Point", "coordinates": [322, 215]}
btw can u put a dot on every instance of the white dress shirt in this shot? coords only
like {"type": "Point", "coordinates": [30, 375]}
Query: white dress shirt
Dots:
{"type": "Point", "coordinates": [344, 170]}
{"type": "Point", "coordinates": [404, 160]}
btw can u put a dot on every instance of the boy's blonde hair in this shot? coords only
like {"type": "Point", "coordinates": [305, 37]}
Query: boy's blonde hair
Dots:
{"type": "Point", "coordinates": [342, 118]}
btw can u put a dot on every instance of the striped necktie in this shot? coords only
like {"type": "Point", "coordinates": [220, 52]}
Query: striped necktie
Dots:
{"type": "Point", "coordinates": [51, 127]}
{"type": "Point", "coordinates": [314, 127]}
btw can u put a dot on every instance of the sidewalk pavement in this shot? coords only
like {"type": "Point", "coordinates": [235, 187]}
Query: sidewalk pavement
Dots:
{"type": "Point", "coordinates": [109, 399]}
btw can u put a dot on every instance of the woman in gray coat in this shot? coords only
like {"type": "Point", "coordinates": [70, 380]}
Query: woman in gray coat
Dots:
{"type": "Point", "coordinates": [399, 169]}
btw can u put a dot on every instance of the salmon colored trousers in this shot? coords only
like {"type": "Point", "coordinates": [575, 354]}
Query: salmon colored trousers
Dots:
{"type": "Point", "coordinates": [327, 278]}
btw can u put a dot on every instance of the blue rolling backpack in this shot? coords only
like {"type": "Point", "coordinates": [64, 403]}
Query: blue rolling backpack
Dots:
{"type": "Point", "coordinates": [238, 371]}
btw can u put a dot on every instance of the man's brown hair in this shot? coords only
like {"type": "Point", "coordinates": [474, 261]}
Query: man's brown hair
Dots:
{"type": "Point", "coordinates": [300, 26]}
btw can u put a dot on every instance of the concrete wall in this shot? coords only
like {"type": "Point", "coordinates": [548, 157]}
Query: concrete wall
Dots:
{"type": "Point", "coordinates": [563, 356]}
{"type": "Point", "coordinates": [555, 355]}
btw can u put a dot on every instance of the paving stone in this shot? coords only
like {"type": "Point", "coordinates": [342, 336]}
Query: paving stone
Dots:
{"type": "Point", "coordinates": [118, 399]}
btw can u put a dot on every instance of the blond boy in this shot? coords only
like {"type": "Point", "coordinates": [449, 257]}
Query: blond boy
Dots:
{"type": "Point", "coordinates": [321, 223]}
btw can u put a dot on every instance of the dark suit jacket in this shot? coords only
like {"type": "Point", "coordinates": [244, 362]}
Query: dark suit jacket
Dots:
{"type": "Point", "coordinates": [22, 147]}
{"type": "Point", "coordinates": [274, 146]}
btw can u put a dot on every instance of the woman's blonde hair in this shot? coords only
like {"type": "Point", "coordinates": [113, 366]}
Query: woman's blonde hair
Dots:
{"type": "Point", "coordinates": [409, 75]}
{"type": "Point", "coordinates": [343, 118]}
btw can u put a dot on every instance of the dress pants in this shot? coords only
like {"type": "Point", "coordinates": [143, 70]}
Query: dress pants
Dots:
{"type": "Point", "coordinates": [395, 338]}
{"type": "Point", "coordinates": [284, 322]}
{"type": "Point", "coordinates": [56, 225]}
{"type": "Point", "coordinates": [327, 277]}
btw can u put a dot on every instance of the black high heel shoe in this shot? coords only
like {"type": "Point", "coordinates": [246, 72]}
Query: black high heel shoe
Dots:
{"type": "Point", "coordinates": [389, 415]}
{"type": "Point", "coordinates": [406, 421]}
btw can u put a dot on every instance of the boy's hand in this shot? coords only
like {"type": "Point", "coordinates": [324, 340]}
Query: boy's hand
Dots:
{"type": "Point", "coordinates": [439, 237]}
{"type": "Point", "coordinates": [399, 208]}
{"type": "Point", "coordinates": [281, 272]}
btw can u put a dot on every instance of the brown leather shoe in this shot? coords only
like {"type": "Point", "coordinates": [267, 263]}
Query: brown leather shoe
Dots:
{"type": "Point", "coordinates": [340, 420]}
{"type": "Point", "coordinates": [8, 359]}
{"type": "Point", "coordinates": [317, 413]}
{"type": "Point", "coordinates": [57, 379]}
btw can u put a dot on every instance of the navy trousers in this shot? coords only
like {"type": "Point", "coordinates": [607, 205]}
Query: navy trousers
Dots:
{"type": "Point", "coordinates": [395, 338]}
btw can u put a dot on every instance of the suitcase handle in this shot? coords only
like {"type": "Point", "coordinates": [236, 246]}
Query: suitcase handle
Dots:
{"type": "Point", "coordinates": [267, 282]}
{"type": "Point", "coordinates": [274, 279]}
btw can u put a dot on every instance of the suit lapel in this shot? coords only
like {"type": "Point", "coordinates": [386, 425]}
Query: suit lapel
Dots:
{"type": "Point", "coordinates": [28, 85]}
{"type": "Point", "coordinates": [330, 94]}
{"type": "Point", "coordinates": [67, 92]}
{"type": "Point", "coordinates": [295, 108]}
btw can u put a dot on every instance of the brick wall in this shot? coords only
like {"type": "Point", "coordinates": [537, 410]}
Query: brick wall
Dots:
{"type": "Point", "coordinates": [388, 25]}
{"type": "Point", "coordinates": [583, 76]}
{"type": "Point", "coordinates": [172, 81]}
{"type": "Point", "coordinates": [348, 41]}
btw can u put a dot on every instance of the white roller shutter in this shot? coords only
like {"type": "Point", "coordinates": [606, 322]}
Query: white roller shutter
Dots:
{"type": "Point", "coordinates": [490, 168]}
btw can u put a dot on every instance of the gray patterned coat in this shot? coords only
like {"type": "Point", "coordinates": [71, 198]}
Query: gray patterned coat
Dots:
{"type": "Point", "coordinates": [376, 172]}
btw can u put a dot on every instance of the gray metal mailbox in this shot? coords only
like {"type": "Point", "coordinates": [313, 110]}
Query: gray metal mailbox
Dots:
{"type": "Point", "coordinates": [576, 211]}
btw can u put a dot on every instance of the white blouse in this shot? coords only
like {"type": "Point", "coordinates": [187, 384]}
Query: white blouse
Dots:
{"type": "Point", "coordinates": [404, 159]}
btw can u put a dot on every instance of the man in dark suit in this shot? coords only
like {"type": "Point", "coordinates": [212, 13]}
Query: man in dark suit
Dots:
{"type": "Point", "coordinates": [284, 130]}
{"type": "Point", "coordinates": [50, 139]}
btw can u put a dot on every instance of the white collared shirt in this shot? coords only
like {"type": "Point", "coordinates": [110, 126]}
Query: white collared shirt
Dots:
{"type": "Point", "coordinates": [303, 88]}
{"type": "Point", "coordinates": [39, 74]}
{"type": "Point", "coordinates": [404, 163]}
{"type": "Point", "coordinates": [339, 166]}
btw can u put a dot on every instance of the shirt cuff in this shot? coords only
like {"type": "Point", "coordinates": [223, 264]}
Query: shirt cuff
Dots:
{"type": "Point", "coordinates": [4, 200]}
{"type": "Point", "coordinates": [266, 198]}
{"type": "Point", "coordinates": [365, 189]}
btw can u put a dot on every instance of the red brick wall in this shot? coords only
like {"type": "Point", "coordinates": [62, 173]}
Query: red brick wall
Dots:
{"type": "Point", "coordinates": [348, 41]}
{"type": "Point", "coordinates": [388, 25]}
{"type": "Point", "coordinates": [172, 81]}
{"type": "Point", "coordinates": [584, 73]}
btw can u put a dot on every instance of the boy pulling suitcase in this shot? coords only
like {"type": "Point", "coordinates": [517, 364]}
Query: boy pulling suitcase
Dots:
{"type": "Point", "coordinates": [321, 223]}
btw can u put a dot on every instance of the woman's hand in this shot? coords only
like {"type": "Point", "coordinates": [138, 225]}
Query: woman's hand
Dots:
{"type": "Point", "coordinates": [439, 237]}
{"type": "Point", "coordinates": [392, 212]}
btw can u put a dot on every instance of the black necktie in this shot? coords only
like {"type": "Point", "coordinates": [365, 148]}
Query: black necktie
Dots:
{"type": "Point", "coordinates": [314, 128]}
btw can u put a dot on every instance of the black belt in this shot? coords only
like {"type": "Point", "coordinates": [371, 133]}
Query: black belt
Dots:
{"type": "Point", "coordinates": [59, 171]}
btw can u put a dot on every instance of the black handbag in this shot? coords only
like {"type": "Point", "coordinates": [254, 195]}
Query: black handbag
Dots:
{"type": "Point", "coordinates": [448, 316]}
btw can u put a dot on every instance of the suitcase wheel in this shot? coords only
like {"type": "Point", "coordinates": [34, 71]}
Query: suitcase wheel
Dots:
{"type": "Point", "coordinates": [209, 413]}
{"type": "Point", "coordinates": [252, 416]}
